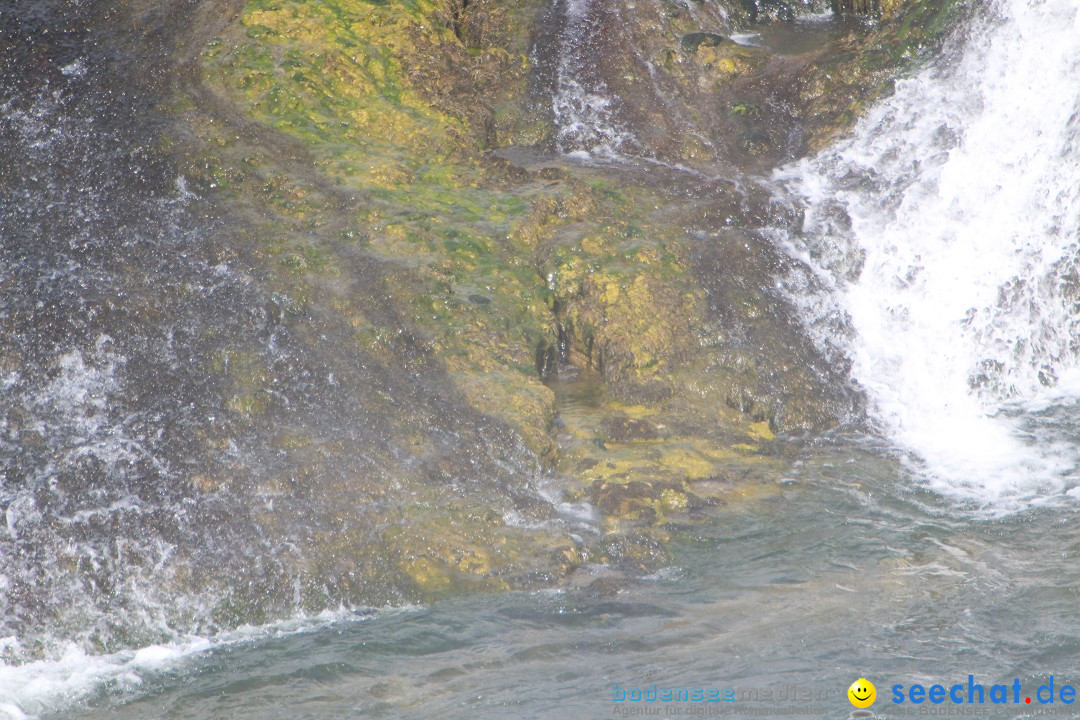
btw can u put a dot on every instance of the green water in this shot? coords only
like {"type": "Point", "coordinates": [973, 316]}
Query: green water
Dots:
{"type": "Point", "coordinates": [847, 570]}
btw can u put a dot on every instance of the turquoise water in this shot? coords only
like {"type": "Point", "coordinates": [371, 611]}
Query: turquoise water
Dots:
{"type": "Point", "coordinates": [846, 570]}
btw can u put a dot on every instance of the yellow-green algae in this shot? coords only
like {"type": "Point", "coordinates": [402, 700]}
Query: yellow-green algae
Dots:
{"type": "Point", "coordinates": [350, 129]}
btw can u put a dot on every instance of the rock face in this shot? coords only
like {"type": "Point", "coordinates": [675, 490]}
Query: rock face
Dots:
{"type": "Point", "coordinates": [690, 94]}
{"type": "Point", "coordinates": [469, 323]}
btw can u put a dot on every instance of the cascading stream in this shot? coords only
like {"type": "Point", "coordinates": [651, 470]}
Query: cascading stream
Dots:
{"type": "Point", "coordinates": [945, 230]}
{"type": "Point", "coordinates": [584, 109]}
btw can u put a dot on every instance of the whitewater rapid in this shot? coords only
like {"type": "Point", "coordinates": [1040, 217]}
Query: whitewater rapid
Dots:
{"type": "Point", "coordinates": [942, 238]}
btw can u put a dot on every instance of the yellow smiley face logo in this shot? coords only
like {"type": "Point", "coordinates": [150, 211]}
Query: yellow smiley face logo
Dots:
{"type": "Point", "coordinates": [862, 693]}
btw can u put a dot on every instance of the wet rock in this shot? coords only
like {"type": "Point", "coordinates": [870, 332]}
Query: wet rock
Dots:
{"type": "Point", "coordinates": [605, 587]}
{"type": "Point", "coordinates": [635, 499]}
{"type": "Point", "coordinates": [637, 552]}
{"type": "Point", "coordinates": [692, 41]}
{"type": "Point", "coordinates": [444, 288]}
{"type": "Point", "coordinates": [622, 429]}
{"type": "Point", "coordinates": [680, 114]}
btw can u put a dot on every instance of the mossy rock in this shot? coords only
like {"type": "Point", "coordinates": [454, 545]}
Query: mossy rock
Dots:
{"type": "Point", "coordinates": [354, 135]}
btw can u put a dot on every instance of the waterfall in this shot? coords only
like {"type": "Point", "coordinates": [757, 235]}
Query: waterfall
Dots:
{"type": "Point", "coordinates": [945, 232]}
{"type": "Point", "coordinates": [584, 109]}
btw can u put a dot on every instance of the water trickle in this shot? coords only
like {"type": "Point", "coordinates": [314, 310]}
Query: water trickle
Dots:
{"type": "Point", "coordinates": [586, 112]}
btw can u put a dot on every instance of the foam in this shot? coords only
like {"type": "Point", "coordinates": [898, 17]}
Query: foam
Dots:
{"type": "Point", "coordinates": [943, 238]}
{"type": "Point", "coordinates": [32, 689]}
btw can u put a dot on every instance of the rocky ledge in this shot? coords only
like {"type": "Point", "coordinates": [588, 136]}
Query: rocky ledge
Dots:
{"type": "Point", "coordinates": [510, 364]}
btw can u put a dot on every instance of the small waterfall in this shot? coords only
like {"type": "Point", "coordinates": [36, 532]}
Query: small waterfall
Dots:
{"type": "Point", "coordinates": [110, 284]}
{"type": "Point", "coordinates": [946, 234]}
{"type": "Point", "coordinates": [585, 111]}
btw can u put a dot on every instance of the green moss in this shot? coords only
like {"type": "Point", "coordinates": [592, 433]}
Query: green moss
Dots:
{"type": "Point", "coordinates": [360, 161]}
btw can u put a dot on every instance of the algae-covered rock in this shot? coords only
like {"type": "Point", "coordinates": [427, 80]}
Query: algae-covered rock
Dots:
{"type": "Point", "coordinates": [863, 67]}
{"type": "Point", "coordinates": [687, 93]}
{"type": "Point", "coordinates": [632, 326]}
{"type": "Point", "coordinates": [442, 327]}
{"type": "Point", "coordinates": [341, 353]}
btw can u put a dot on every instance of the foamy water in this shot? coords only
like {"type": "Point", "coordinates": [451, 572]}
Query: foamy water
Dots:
{"type": "Point", "coordinates": [945, 234]}
{"type": "Point", "coordinates": [584, 109]}
{"type": "Point", "coordinates": [67, 680]}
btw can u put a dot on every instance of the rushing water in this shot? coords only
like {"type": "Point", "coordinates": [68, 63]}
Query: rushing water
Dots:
{"type": "Point", "coordinates": [97, 399]}
{"type": "Point", "coordinates": [136, 506]}
{"type": "Point", "coordinates": [940, 251]}
{"type": "Point", "coordinates": [846, 571]}
{"type": "Point", "coordinates": [586, 112]}
{"type": "Point", "coordinates": [946, 231]}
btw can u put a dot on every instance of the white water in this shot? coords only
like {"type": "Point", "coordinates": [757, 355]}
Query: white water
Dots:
{"type": "Point", "coordinates": [945, 231]}
{"type": "Point", "coordinates": [584, 108]}
{"type": "Point", "coordinates": [49, 685]}
{"type": "Point", "coordinates": [46, 687]}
